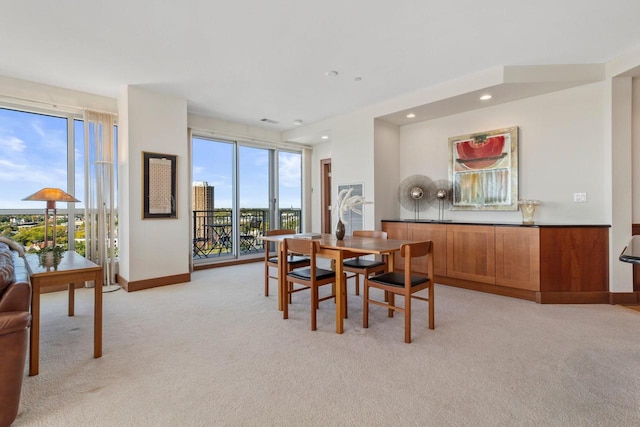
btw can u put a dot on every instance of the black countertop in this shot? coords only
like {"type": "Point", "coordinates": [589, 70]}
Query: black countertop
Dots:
{"type": "Point", "coordinates": [497, 224]}
{"type": "Point", "coordinates": [631, 252]}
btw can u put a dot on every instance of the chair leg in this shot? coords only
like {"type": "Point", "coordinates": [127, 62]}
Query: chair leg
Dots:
{"type": "Point", "coordinates": [333, 291]}
{"type": "Point", "coordinates": [285, 300]}
{"type": "Point", "coordinates": [290, 293]}
{"type": "Point", "coordinates": [407, 318]}
{"type": "Point", "coordinates": [365, 305]}
{"type": "Point", "coordinates": [314, 306]}
{"type": "Point", "coordinates": [266, 280]}
{"type": "Point", "coordinates": [344, 296]}
{"type": "Point", "coordinates": [392, 302]}
{"type": "Point", "coordinates": [357, 284]}
{"type": "Point", "coordinates": [432, 321]}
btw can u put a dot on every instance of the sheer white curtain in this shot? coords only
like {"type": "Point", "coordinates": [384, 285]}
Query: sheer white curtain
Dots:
{"type": "Point", "coordinates": [99, 193]}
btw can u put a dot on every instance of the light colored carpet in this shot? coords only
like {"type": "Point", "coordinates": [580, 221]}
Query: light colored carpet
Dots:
{"type": "Point", "coordinates": [215, 351]}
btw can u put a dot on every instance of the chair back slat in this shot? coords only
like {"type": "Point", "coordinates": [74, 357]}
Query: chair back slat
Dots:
{"type": "Point", "coordinates": [301, 246]}
{"type": "Point", "coordinates": [415, 249]}
{"type": "Point", "coordinates": [370, 233]}
{"type": "Point", "coordinates": [267, 246]}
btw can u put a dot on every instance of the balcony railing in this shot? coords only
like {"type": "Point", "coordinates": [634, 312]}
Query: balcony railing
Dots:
{"type": "Point", "coordinates": [213, 230]}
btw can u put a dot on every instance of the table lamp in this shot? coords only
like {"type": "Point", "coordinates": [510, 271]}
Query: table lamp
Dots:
{"type": "Point", "coordinates": [51, 196]}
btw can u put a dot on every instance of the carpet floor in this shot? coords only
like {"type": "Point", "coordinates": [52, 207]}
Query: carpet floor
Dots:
{"type": "Point", "coordinates": [216, 352]}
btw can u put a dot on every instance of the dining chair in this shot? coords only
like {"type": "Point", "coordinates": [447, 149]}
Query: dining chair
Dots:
{"type": "Point", "coordinates": [311, 277]}
{"type": "Point", "coordinates": [405, 284]}
{"type": "Point", "coordinates": [293, 260]}
{"type": "Point", "coordinates": [366, 267]}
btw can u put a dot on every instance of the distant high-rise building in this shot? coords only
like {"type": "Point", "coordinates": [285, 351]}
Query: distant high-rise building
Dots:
{"type": "Point", "coordinates": [202, 206]}
{"type": "Point", "coordinates": [202, 196]}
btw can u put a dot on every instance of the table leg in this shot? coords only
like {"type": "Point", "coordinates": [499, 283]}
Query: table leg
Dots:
{"type": "Point", "coordinates": [97, 316]}
{"type": "Point", "coordinates": [72, 288]}
{"type": "Point", "coordinates": [340, 293]}
{"type": "Point", "coordinates": [34, 333]}
{"type": "Point", "coordinates": [281, 277]}
{"type": "Point", "coordinates": [390, 260]}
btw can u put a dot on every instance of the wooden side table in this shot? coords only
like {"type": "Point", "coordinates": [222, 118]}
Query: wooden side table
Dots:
{"type": "Point", "coordinates": [73, 268]}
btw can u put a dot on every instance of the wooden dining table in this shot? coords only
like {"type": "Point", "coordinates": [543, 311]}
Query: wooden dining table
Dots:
{"type": "Point", "coordinates": [337, 250]}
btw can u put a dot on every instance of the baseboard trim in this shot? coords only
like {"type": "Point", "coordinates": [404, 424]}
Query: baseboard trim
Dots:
{"type": "Point", "coordinates": [217, 264]}
{"type": "Point", "coordinates": [487, 287]}
{"type": "Point", "coordinates": [624, 298]}
{"type": "Point", "coordinates": [596, 297]}
{"type": "Point", "coordinates": [139, 285]}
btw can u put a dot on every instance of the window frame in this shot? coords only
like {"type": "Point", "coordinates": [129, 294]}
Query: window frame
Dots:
{"type": "Point", "coordinates": [71, 210]}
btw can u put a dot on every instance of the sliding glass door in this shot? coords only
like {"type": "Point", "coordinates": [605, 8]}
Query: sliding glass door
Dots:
{"type": "Point", "coordinates": [238, 192]}
{"type": "Point", "coordinates": [212, 197]}
{"type": "Point", "coordinates": [289, 214]}
{"type": "Point", "coordinates": [254, 193]}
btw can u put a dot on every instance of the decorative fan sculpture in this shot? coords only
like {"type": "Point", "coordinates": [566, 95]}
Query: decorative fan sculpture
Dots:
{"type": "Point", "coordinates": [442, 192]}
{"type": "Point", "coordinates": [414, 193]}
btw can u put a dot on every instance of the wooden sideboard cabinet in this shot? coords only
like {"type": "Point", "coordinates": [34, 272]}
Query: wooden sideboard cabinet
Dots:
{"type": "Point", "coordinates": [543, 263]}
{"type": "Point", "coordinates": [471, 253]}
{"type": "Point", "coordinates": [518, 257]}
{"type": "Point", "coordinates": [437, 233]}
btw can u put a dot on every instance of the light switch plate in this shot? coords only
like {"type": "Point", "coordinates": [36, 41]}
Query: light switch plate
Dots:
{"type": "Point", "coordinates": [580, 197]}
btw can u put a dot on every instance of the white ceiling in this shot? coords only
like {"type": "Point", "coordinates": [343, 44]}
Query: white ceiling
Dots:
{"type": "Point", "coordinates": [246, 60]}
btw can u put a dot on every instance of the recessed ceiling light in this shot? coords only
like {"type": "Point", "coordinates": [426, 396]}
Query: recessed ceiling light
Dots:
{"type": "Point", "coordinates": [485, 97]}
{"type": "Point", "coordinates": [324, 137]}
{"type": "Point", "coordinates": [297, 122]}
{"type": "Point", "coordinates": [331, 73]}
{"type": "Point", "coordinates": [410, 116]}
{"type": "Point", "coordinates": [357, 79]}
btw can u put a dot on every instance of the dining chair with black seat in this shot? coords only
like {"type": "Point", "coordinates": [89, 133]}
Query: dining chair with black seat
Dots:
{"type": "Point", "coordinates": [404, 283]}
{"type": "Point", "coordinates": [293, 260]}
{"type": "Point", "coordinates": [366, 267]}
{"type": "Point", "coordinates": [311, 277]}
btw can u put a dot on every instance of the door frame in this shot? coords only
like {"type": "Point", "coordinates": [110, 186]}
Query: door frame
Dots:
{"type": "Point", "coordinates": [325, 195]}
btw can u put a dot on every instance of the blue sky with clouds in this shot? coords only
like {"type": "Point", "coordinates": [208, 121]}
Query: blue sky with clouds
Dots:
{"type": "Point", "coordinates": [33, 155]}
{"type": "Point", "coordinates": [213, 163]}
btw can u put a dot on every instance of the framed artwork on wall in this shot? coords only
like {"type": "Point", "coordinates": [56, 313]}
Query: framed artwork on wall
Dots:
{"type": "Point", "coordinates": [483, 168]}
{"type": "Point", "coordinates": [354, 219]}
{"type": "Point", "coordinates": [159, 185]}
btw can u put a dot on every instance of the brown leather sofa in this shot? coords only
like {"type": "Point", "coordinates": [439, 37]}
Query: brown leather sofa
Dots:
{"type": "Point", "coordinates": [15, 319]}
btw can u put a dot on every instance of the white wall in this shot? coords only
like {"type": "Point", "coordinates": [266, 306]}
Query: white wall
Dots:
{"type": "Point", "coordinates": [351, 150]}
{"type": "Point", "coordinates": [619, 150]}
{"type": "Point", "coordinates": [152, 248]}
{"type": "Point", "coordinates": [26, 93]}
{"type": "Point", "coordinates": [352, 160]}
{"type": "Point", "coordinates": [636, 150]}
{"type": "Point", "coordinates": [387, 171]}
{"type": "Point", "coordinates": [320, 152]}
{"type": "Point", "coordinates": [225, 129]}
{"type": "Point", "coordinates": [560, 152]}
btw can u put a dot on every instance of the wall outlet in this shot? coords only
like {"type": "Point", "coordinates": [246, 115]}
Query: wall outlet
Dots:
{"type": "Point", "coordinates": [580, 197]}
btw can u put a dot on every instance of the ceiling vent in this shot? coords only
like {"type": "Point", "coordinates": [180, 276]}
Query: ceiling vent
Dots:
{"type": "Point", "coordinates": [273, 122]}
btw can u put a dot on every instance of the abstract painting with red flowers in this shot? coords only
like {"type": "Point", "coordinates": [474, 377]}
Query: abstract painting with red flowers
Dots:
{"type": "Point", "coordinates": [483, 168]}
